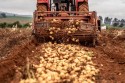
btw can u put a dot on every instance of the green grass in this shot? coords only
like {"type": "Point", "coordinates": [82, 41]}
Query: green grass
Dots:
{"type": "Point", "coordinates": [112, 27]}
{"type": "Point", "coordinates": [12, 19]}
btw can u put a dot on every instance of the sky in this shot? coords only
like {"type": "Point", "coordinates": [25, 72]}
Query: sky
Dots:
{"type": "Point", "coordinates": [111, 8]}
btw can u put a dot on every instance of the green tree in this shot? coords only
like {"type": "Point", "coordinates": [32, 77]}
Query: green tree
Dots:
{"type": "Point", "coordinates": [17, 24]}
{"type": "Point", "coordinates": [108, 20]}
{"type": "Point", "coordinates": [26, 25]}
{"type": "Point", "coordinates": [10, 25]}
{"type": "Point", "coordinates": [121, 25]}
{"type": "Point", "coordinates": [115, 22]}
{"type": "Point", "coordinates": [3, 15]}
{"type": "Point", "coordinates": [3, 25]}
{"type": "Point", "coordinates": [101, 19]}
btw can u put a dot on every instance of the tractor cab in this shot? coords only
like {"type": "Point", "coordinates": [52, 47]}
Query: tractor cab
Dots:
{"type": "Point", "coordinates": [63, 5]}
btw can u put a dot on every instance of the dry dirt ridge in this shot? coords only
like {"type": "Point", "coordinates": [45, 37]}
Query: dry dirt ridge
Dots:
{"type": "Point", "coordinates": [23, 62]}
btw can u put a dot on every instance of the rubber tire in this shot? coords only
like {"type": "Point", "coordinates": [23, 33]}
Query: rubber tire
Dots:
{"type": "Point", "coordinates": [42, 8]}
{"type": "Point", "coordinates": [94, 42]}
{"type": "Point", "coordinates": [84, 7]}
{"type": "Point", "coordinates": [35, 40]}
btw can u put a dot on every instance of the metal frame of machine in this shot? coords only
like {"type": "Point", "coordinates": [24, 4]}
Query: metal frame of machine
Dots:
{"type": "Point", "coordinates": [42, 22]}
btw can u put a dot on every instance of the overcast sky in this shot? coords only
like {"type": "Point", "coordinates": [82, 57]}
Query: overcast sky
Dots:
{"type": "Point", "coordinates": [111, 8]}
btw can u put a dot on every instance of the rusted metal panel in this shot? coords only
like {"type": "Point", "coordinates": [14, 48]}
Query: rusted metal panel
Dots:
{"type": "Point", "coordinates": [90, 17]}
{"type": "Point", "coordinates": [66, 17]}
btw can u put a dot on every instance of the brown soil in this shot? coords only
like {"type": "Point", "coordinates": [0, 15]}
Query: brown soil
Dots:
{"type": "Point", "coordinates": [16, 46]}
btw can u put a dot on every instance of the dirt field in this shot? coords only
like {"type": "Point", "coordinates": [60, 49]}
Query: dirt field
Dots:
{"type": "Point", "coordinates": [23, 62]}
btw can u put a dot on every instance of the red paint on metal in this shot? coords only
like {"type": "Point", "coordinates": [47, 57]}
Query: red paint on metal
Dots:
{"type": "Point", "coordinates": [42, 1]}
{"type": "Point", "coordinates": [76, 5]}
{"type": "Point", "coordinates": [82, 0]}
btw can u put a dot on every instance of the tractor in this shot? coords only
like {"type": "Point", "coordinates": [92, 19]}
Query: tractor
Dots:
{"type": "Point", "coordinates": [65, 20]}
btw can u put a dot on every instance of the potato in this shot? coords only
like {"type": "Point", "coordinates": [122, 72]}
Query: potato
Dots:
{"type": "Point", "coordinates": [60, 62]}
{"type": "Point", "coordinates": [39, 70]}
{"type": "Point", "coordinates": [69, 32]}
{"type": "Point", "coordinates": [51, 32]}
{"type": "Point", "coordinates": [73, 39]}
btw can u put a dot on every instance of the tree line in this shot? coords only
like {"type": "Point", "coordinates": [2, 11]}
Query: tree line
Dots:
{"type": "Point", "coordinates": [16, 24]}
{"type": "Point", "coordinates": [112, 21]}
{"type": "Point", "coordinates": [3, 15]}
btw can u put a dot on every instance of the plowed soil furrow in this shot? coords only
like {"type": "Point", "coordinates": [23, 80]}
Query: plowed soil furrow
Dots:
{"type": "Point", "coordinates": [12, 43]}
{"type": "Point", "coordinates": [15, 59]}
{"type": "Point", "coordinates": [110, 69]}
{"type": "Point", "coordinates": [13, 46]}
{"type": "Point", "coordinates": [8, 41]}
{"type": "Point", "coordinates": [17, 52]}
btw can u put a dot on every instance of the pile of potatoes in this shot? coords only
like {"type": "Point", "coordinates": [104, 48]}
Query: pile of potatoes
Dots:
{"type": "Point", "coordinates": [54, 31]}
{"type": "Point", "coordinates": [64, 63]}
{"type": "Point", "coordinates": [71, 30]}
{"type": "Point", "coordinates": [67, 30]}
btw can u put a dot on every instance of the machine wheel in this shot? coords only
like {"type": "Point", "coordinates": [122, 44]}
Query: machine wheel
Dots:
{"type": "Point", "coordinates": [37, 40]}
{"type": "Point", "coordinates": [94, 42]}
{"type": "Point", "coordinates": [42, 7]}
{"type": "Point", "coordinates": [84, 7]}
{"type": "Point", "coordinates": [34, 40]}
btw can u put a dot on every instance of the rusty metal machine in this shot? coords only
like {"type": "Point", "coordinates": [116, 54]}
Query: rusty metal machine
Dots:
{"type": "Point", "coordinates": [65, 20]}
